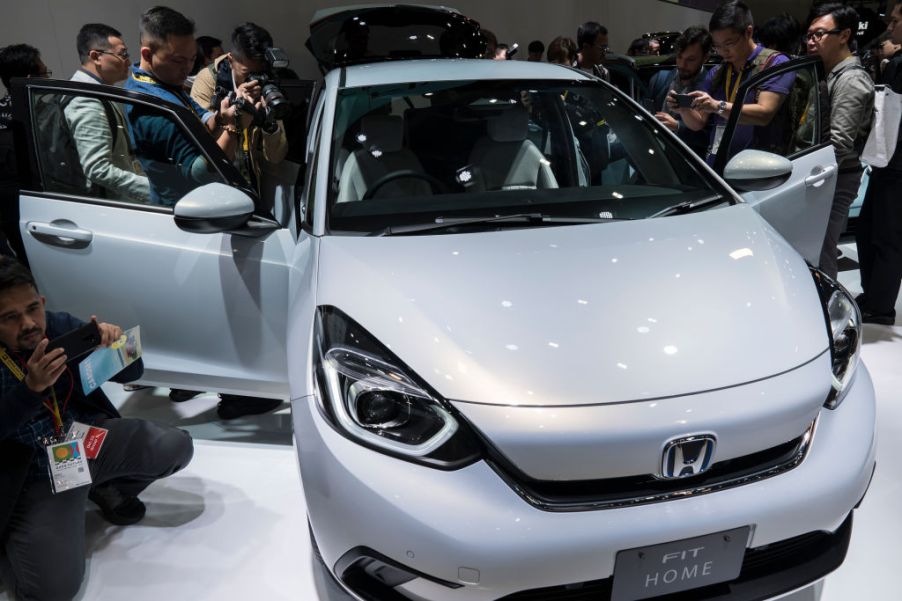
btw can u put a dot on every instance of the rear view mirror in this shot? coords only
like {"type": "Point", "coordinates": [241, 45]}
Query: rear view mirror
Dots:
{"type": "Point", "coordinates": [213, 208]}
{"type": "Point", "coordinates": [756, 170]}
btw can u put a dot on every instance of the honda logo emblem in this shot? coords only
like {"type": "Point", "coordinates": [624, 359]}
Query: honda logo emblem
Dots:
{"type": "Point", "coordinates": [689, 456]}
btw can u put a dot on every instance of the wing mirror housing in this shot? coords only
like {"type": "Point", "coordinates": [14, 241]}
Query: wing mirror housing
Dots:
{"type": "Point", "coordinates": [756, 170]}
{"type": "Point", "coordinates": [213, 208]}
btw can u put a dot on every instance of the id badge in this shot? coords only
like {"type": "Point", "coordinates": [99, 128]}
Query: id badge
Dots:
{"type": "Point", "coordinates": [91, 436]}
{"type": "Point", "coordinates": [718, 136]}
{"type": "Point", "coordinates": [68, 466]}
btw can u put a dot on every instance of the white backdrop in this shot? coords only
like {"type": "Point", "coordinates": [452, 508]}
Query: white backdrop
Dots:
{"type": "Point", "coordinates": [51, 25]}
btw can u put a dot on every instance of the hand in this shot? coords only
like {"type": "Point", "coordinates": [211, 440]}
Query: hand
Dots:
{"type": "Point", "coordinates": [44, 369]}
{"type": "Point", "coordinates": [703, 102]}
{"type": "Point", "coordinates": [109, 333]}
{"type": "Point", "coordinates": [668, 121]}
{"type": "Point", "coordinates": [671, 101]}
{"type": "Point", "coordinates": [250, 90]}
{"type": "Point", "coordinates": [231, 115]}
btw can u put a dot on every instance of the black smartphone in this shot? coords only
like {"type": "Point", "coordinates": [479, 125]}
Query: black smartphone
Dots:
{"type": "Point", "coordinates": [684, 100]}
{"type": "Point", "coordinates": [78, 342]}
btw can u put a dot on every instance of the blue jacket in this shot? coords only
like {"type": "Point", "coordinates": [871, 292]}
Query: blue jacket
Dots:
{"type": "Point", "coordinates": [18, 406]}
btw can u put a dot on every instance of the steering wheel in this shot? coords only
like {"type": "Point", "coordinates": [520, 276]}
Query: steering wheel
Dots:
{"type": "Point", "coordinates": [434, 182]}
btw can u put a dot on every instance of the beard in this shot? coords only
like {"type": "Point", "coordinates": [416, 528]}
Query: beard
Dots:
{"type": "Point", "coordinates": [28, 340]}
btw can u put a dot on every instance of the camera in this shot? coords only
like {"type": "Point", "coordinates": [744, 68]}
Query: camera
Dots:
{"type": "Point", "coordinates": [276, 103]}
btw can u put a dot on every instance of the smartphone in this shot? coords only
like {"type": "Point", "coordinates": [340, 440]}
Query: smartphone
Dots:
{"type": "Point", "coordinates": [78, 342]}
{"type": "Point", "coordinates": [684, 100]}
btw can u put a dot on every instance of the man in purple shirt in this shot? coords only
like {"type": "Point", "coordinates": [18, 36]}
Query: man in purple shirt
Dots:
{"type": "Point", "coordinates": [731, 28]}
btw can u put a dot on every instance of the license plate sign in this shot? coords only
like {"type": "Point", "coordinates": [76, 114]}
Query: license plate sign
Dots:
{"type": "Point", "coordinates": [647, 572]}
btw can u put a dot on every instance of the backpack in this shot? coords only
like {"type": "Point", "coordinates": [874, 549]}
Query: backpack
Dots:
{"type": "Point", "coordinates": [60, 164]}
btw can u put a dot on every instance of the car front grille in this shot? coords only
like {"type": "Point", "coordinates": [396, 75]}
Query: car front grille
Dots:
{"type": "Point", "coordinates": [767, 571]}
{"type": "Point", "coordinates": [590, 495]}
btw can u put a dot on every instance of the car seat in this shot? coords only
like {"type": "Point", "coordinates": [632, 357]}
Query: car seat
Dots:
{"type": "Point", "coordinates": [505, 159]}
{"type": "Point", "coordinates": [382, 152]}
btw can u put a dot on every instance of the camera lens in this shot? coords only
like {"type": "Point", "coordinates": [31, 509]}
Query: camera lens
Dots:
{"type": "Point", "coordinates": [276, 101]}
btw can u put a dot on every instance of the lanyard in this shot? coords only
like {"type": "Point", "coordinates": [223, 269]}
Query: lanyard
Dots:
{"type": "Point", "coordinates": [52, 406]}
{"type": "Point", "coordinates": [731, 96]}
{"type": "Point", "coordinates": [179, 94]}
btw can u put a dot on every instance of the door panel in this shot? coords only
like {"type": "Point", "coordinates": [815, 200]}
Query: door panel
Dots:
{"type": "Point", "coordinates": [800, 208]}
{"type": "Point", "coordinates": [212, 307]}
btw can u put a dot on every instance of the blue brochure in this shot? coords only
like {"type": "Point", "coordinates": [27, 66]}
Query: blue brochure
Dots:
{"type": "Point", "coordinates": [106, 362]}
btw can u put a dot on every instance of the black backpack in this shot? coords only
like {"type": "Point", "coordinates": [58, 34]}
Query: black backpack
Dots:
{"type": "Point", "coordinates": [60, 164]}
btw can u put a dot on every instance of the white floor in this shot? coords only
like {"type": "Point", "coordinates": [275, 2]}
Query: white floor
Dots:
{"type": "Point", "coordinates": [232, 525]}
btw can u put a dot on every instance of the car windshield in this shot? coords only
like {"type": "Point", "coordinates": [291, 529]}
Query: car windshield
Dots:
{"type": "Point", "coordinates": [425, 153]}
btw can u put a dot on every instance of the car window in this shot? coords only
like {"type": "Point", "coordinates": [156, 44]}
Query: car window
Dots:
{"type": "Point", "coordinates": [798, 125]}
{"type": "Point", "coordinates": [416, 152]}
{"type": "Point", "coordinates": [112, 150]}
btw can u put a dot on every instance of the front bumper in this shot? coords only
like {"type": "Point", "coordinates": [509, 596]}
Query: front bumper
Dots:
{"type": "Point", "coordinates": [469, 528]}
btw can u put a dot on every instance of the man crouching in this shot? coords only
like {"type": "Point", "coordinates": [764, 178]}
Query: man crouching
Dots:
{"type": "Point", "coordinates": [42, 523]}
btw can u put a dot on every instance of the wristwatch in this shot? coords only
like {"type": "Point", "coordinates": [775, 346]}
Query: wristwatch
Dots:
{"type": "Point", "coordinates": [721, 107]}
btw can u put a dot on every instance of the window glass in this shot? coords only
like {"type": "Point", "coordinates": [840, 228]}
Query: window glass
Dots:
{"type": "Point", "coordinates": [113, 150]}
{"type": "Point", "coordinates": [410, 154]}
{"type": "Point", "coordinates": [796, 125]}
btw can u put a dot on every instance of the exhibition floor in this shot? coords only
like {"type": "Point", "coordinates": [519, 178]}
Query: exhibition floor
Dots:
{"type": "Point", "coordinates": [232, 525]}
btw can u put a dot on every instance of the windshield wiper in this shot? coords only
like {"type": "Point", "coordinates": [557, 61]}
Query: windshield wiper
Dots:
{"type": "Point", "coordinates": [689, 205]}
{"type": "Point", "coordinates": [517, 219]}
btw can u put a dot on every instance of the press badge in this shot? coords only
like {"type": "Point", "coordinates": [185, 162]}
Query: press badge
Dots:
{"type": "Point", "coordinates": [68, 465]}
{"type": "Point", "coordinates": [718, 136]}
{"type": "Point", "coordinates": [91, 437]}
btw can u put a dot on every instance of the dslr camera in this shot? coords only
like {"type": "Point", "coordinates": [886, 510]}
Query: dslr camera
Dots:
{"type": "Point", "coordinates": [277, 106]}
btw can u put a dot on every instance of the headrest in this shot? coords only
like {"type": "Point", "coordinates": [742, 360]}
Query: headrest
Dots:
{"type": "Point", "coordinates": [510, 125]}
{"type": "Point", "coordinates": [385, 132]}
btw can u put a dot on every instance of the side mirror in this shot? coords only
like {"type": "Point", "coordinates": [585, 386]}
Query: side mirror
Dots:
{"type": "Point", "coordinates": [756, 170]}
{"type": "Point", "coordinates": [213, 208]}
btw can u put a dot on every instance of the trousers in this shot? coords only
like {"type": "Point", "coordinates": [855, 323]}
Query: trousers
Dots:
{"type": "Point", "coordinates": [42, 556]}
{"type": "Point", "coordinates": [847, 185]}
{"type": "Point", "coordinates": [879, 241]}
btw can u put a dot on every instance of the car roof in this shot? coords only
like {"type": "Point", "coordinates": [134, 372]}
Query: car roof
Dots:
{"type": "Point", "coordinates": [444, 69]}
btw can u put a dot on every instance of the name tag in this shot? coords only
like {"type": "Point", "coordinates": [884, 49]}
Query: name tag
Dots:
{"type": "Point", "coordinates": [68, 466]}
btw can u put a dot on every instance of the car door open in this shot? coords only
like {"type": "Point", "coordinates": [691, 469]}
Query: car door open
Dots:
{"type": "Point", "coordinates": [211, 296]}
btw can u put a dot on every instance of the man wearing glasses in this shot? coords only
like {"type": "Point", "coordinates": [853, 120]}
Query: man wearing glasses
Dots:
{"type": "Point", "coordinates": [98, 127]}
{"type": "Point", "coordinates": [851, 93]}
{"type": "Point", "coordinates": [731, 28]}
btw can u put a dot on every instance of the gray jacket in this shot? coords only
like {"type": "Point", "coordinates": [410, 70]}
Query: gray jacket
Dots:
{"type": "Point", "coordinates": [851, 110]}
{"type": "Point", "coordinates": [106, 157]}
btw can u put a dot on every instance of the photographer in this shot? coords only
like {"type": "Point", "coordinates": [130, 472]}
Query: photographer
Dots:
{"type": "Point", "coordinates": [250, 66]}
{"type": "Point", "coordinates": [42, 506]}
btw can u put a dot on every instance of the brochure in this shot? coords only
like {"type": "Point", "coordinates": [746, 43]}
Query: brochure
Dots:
{"type": "Point", "coordinates": [106, 362]}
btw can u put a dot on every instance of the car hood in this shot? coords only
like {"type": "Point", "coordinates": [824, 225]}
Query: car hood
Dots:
{"type": "Point", "coordinates": [584, 314]}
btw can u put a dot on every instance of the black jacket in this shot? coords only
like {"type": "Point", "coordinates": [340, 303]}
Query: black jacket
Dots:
{"type": "Point", "coordinates": [18, 405]}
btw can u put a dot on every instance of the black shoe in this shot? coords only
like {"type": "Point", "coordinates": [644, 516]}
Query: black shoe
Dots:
{"type": "Point", "coordinates": [232, 406]}
{"type": "Point", "coordinates": [882, 319]}
{"type": "Point", "coordinates": [119, 510]}
{"type": "Point", "coordinates": [177, 395]}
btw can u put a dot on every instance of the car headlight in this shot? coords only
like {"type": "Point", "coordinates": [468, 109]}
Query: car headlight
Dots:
{"type": "Point", "coordinates": [370, 396]}
{"type": "Point", "coordinates": [844, 328]}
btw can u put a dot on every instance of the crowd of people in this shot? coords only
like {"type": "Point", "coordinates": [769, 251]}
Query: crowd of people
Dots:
{"type": "Point", "coordinates": [134, 152]}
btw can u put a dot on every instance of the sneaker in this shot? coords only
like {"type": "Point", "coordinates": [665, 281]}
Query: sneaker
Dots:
{"type": "Point", "coordinates": [118, 510]}
{"type": "Point", "coordinates": [177, 395]}
{"type": "Point", "coordinates": [232, 406]}
{"type": "Point", "coordinates": [133, 387]}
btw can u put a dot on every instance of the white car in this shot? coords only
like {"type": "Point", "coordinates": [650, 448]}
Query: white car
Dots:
{"type": "Point", "coordinates": [535, 349]}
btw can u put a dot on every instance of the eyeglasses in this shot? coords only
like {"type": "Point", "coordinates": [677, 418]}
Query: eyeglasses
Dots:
{"type": "Point", "coordinates": [123, 55]}
{"type": "Point", "coordinates": [727, 45]}
{"type": "Point", "coordinates": [820, 33]}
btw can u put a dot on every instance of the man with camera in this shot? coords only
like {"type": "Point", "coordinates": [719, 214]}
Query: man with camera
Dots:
{"type": "Point", "coordinates": [252, 63]}
{"type": "Point", "coordinates": [49, 471]}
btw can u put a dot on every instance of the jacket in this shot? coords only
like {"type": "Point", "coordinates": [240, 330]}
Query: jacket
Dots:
{"type": "Point", "coordinates": [18, 405]}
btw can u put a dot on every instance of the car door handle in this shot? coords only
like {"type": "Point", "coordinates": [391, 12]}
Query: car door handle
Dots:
{"type": "Point", "coordinates": [61, 233]}
{"type": "Point", "coordinates": [823, 175]}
